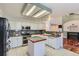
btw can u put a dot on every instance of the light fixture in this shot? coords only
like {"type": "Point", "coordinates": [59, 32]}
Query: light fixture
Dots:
{"type": "Point", "coordinates": [31, 10]}
{"type": "Point", "coordinates": [40, 13]}
{"type": "Point", "coordinates": [44, 14]}
{"type": "Point", "coordinates": [35, 10]}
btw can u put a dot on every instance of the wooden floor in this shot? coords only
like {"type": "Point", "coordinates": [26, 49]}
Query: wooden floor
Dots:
{"type": "Point", "coordinates": [23, 51]}
{"type": "Point", "coordinates": [72, 45]}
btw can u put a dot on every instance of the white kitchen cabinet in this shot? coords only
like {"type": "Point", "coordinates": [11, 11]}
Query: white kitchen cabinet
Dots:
{"type": "Point", "coordinates": [57, 20]}
{"type": "Point", "coordinates": [12, 25]}
{"type": "Point", "coordinates": [54, 27]}
{"type": "Point", "coordinates": [19, 41]}
{"type": "Point", "coordinates": [15, 42]}
{"type": "Point", "coordinates": [15, 25]}
{"type": "Point", "coordinates": [18, 26]}
{"type": "Point", "coordinates": [34, 26]}
{"type": "Point", "coordinates": [37, 48]}
{"type": "Point", "coordinates": [60, 30]}
{"type": "Point", "coordinates": [55, 42]}
{"type": "Point", "coordinates": [12, 42]}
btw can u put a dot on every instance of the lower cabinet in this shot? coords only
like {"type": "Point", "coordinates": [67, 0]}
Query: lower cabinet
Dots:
{"type": "Point", "coordinates": [55, 42]}
{"type": "Point", "coordinates": [15, 42]}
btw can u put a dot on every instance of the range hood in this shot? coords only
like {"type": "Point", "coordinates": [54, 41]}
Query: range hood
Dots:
{"type": "Point", "coordinates": [35, 10]}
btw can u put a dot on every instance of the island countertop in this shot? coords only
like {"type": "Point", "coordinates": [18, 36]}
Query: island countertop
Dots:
{"type": "Point", "coordinates": [36, 39]}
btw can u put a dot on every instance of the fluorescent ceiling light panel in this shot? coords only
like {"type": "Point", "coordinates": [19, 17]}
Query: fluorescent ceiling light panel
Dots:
{"type": "Point", "coordinates": [40, 13]}
{"type": "Point", "coordinates": [44, 14]}
{"type": "Point", "coordinates": [31, 10]}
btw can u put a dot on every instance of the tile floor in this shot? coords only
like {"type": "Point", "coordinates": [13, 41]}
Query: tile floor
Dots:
{"type": "Point", "coordinates": [22, 51]}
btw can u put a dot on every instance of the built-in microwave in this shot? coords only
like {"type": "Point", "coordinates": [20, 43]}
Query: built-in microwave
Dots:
{"type": "Point", "coordinates": [26, 28]}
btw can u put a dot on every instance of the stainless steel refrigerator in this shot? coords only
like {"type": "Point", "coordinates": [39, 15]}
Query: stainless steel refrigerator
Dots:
{"type": "Point", "coordinates": [4, 35]}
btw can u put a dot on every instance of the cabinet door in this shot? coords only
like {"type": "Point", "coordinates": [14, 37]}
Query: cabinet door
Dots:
{"type": "Point", "coordinates": [15, 25]}
{"type": "Point", "coordinates": [19, 41]}
{"type": "Point", "coordinates": [50, 41]}
{"type": "Point", "coordinates": [12, 25]}
{"type": "Point", "coordinates": [58, 43]}
{"type": "Point", "coordinates": [54, 27]}
{"type": "Point", "coordinates": [18, 26]}
{"type": "Point", "coordinates": [13, 43]}
{"type": "Point", "coordinates": [53, 43]}
{"type": "Point", "coordinates": [61, 41]}
{"type": "Point", "coordinates": [47, 41]}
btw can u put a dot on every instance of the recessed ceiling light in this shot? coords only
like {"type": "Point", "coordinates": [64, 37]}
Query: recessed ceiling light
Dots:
{"type": "Point", "coordinates": [31, 10]}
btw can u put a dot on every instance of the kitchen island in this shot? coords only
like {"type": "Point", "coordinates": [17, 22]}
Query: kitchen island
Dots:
{"type": "Point", "coordinates": [55, 42]}
{"type": "Point", "coordinates": [36, 46]}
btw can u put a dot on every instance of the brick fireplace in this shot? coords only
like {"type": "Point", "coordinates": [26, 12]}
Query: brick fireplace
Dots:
{"type": "Point", "coordinates": [72, 42]}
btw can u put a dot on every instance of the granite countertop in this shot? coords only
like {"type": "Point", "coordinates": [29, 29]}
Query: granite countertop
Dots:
{"type": "Point", "coordinates": [36, 39]}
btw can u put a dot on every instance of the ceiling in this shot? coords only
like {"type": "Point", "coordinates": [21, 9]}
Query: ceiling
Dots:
{"type": "Point", "coordinates": [12, 9]}
{"type": "Point", "coordinates": [59, 9]}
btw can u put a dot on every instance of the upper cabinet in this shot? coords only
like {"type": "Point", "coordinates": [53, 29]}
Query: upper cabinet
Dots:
{"type": "Point", "coordinates": [37, 26]}
{"type": "Point", "coordinates": [15, 25]}
{"type": "Point", "coordinates": [33, 25]}
{"type": "Point", "coordinates": [12, 25]}
{"type": "Point", "coordinates": [54, 27]}
{"type": "Point", "coordinates": [56, 20]}
{"type": "Point", "coordinates": [56, 24]}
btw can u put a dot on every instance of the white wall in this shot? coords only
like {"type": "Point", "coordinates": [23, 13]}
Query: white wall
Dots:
{"type": "Point", "coordinates": [68, 21]}
{"type": "Point", "coordinates": [1, 14]}
{"type": "Point", "coordinates": [68, 24]}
